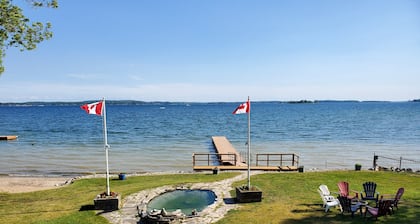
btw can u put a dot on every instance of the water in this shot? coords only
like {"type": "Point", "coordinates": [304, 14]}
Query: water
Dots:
{"type": "Point", "coordinates": [185, 200]}
{"type": "Point", "coordinates": [64, 140]}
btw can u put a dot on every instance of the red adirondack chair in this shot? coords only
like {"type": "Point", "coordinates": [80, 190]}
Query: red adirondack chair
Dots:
{"type": "Point", "coordinates": [395, 199]}
{"type": "Point", "coordinates": [384, 208]}
{"type": "Point", "coordinates": [344, 190]}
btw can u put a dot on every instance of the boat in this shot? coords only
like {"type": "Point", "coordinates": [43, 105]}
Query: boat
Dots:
{"type": "Point", "coordinates": [8, 137]}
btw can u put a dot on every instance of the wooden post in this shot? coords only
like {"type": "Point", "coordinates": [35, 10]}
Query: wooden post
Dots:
{"type": "Point", "coordinates": [375, 161]}
{"type": "Point", "coordinates": [400, 161]}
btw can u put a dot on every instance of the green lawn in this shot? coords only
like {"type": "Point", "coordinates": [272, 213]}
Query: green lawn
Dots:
{"type": "Point", "coordinates": [293, 197]}
{"type": "Point", "coordinates": [71, 204]}
{"type": "Point", "coordinates": [287, 198]}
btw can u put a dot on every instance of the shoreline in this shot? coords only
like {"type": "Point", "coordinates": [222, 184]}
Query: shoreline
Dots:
{"type": "Point", "coordinates": [11, 183]}
{"type": "Point", "coordinates": [24, 184]}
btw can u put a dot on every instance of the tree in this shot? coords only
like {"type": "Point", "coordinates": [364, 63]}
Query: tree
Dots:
{"type": "Point", "coordinates": [18, 31]}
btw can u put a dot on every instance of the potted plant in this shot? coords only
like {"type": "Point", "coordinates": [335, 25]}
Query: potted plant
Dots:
{"type": "Point", "coordinates": [248, 194]}
{"type": "Point", "coordinates": [358, 167]}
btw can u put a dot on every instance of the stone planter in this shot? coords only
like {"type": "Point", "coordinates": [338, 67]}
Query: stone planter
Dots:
{"type": "Point", "coordinates": [107, 203]}
{"type": "Point", "coordinates": [245, 195]}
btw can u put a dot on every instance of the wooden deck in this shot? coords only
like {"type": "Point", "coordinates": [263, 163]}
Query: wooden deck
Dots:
{"type": "Point", "coordinates": [264, 168]}
{"type": "Point", "coordinates": [8, 137]}
{"type": "Point", "coordinates": [227, 153]}
{"type": "Point", "coordinates": [227, 158]}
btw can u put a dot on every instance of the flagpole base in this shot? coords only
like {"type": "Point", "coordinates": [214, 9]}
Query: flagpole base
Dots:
{"type": "Point", "coordinates": [107, 203]}
{"type": "Point", "coordinates": [245, 194]}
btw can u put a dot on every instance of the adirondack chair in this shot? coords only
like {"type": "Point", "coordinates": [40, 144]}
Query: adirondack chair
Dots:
{"type": "Point", "coordinates": [344, 190]}
{"type": "Point", "coordinates": [327, 199]}
{"type": "Point", "coordinates": [348, 206]}
{"type": "Point", "coordinates": [325, 191]}
{"type": "Point", "coordinates": [369, 192]}
{"type": "Point", "coordinates": [394, 198]}
{"type": "Point", "coordinates": [384, 208]}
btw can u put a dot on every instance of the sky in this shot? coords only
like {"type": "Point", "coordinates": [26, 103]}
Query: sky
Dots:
{"type": "Point", "coordinates": [220, 50]}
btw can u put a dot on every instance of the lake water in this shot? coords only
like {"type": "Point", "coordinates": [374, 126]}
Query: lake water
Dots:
{"type": "Point", "coordinates": [64, 140]}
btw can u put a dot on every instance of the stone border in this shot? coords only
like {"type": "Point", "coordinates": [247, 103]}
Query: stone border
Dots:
{"type": "Point", "coordinates": [128, 214]}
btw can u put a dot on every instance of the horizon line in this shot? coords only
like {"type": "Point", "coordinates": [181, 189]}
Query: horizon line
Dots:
{"type": "Point", "coordinates": [202, 102]}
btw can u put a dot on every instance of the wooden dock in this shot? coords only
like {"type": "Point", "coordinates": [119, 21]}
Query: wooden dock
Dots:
{"type": "Point", "coordinates": [242, 168]}
{"type": "Point", "coordinates": [227, 153]}
{"type": "Point", "coordinates": [8, 137]}
{"type": "Point", "coordinates": [227, 158]}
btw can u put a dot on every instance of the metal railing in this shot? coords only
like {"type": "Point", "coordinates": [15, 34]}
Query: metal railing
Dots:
{"type": "Point", "coordinates": [277, 159]}
{"type": "Point", "coordinates": [394, 163]}
{"type": "Point", "coordinates": [265, 159]}
{"type": "Point", "coordinates": [211, 159]}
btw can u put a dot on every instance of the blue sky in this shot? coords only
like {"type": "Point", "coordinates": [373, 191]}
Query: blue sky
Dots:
{"type": "Point", "coordinates": [220, 50]}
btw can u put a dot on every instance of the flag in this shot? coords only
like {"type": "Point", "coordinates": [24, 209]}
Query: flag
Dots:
{"type": "Point", "coordinates": [93, 108]}
{"type": "Point", "coordinates": [243, 108]}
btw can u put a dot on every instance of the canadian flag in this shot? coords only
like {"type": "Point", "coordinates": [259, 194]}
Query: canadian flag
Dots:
{"type": "Point", "coordinates": [93, 108]}
{"type": "Point", "coordinates": [243, 108]}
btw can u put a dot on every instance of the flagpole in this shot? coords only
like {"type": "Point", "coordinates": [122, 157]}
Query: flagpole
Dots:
{"type": "Point", "coordinates": [249, 145]}
{"type": "Point", "coordinates": [106, 146]}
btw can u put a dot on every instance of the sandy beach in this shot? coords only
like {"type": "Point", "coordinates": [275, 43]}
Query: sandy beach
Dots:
{"type": "Point", "coordinates": [20, 184]}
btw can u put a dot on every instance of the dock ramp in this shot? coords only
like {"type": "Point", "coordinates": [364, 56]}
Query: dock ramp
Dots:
{"type": "Point", "coordinates": [227, 153]}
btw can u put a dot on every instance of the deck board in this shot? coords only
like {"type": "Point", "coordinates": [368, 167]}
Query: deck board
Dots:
{"type": "Point", "coordinates": [8, 137]}
{"type": "Point", "coordinates": [265, 168]}
{"type": "Point", "coordinates": [224, 147]}
{"type": "Point", "coordinates": [227, 158]}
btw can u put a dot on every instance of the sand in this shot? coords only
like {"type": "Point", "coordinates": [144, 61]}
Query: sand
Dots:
{"type": "Point", "coordinates": [20, 184]}
{"type": "Point", "coordinates": [17, 184]}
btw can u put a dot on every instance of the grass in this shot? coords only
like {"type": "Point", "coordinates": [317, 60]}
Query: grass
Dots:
{"type": "Point", "coordinates": [73, 204]}
{"type": "Point", "coordinates": [287, 198]}
{"type": "Point", "coordinates": [293, 197]}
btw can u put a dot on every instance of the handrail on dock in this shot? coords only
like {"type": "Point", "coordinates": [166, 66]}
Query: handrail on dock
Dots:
{"type": "Point", "coordinates": [225, 151]}
{"type": "Point", "coordinates": [227, 158]}
{"type": "Point", "coordinates": [277, 159]}
{"type": "Point", "coordinates": [214, 158]}
{"type": "Point", "coordinates": [266, 161]}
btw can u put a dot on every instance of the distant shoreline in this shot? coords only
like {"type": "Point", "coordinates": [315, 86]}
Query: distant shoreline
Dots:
{"type": "Point", "coordinates": [136, 102]}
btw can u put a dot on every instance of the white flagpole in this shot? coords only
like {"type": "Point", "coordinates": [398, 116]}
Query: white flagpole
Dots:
{"type": "Point", "coordinates": [106, 146]}
{"type": "Point", "coordinates": [249, 145]}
